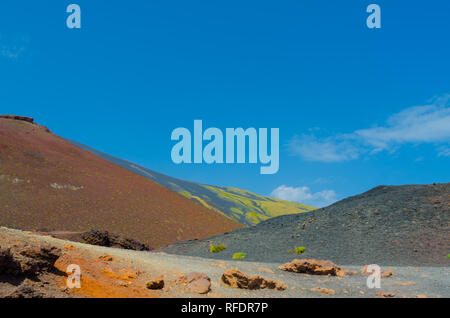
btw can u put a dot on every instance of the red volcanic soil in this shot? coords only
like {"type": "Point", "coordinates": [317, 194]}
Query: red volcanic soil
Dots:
{"type": "Point", "coordinates": [48, 184]}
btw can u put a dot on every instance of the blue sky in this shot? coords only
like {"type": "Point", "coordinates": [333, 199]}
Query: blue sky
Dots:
{"type": "Point", "coordinates": [356, 107]}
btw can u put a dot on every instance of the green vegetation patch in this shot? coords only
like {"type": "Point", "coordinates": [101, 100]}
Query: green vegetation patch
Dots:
{"type": "Point", "coordinates": [300, 250]}
{"type": "Point", "coordinates": [216, 248]}
{"type": "Point", "coordinates": [239, 256]}
{"type": "Point", "coordinates": [249, 208]}
{"type": "Point", "coordinates": [448, 255]}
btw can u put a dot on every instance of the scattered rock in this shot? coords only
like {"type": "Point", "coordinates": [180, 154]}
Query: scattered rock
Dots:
{"type": "Point", "coordinates": [34, 260]}
{"type": "Point", "coordinates": [128, 274]}
{"type": "Point", "coordinates": [197, 283]}
{"type": "Point", "coordinates": [312, 267]}
{"type": "Point", "coordinates": [70, 247]}
{"type": "Point", "coordinates": [237, 279]}
{"type": "Point", "coordinates": [26, 290]}
{"type": "Point", "coordinates": [124, 284]}
{"type": "Point", "coordinates": [220, 264]}
{"type": "Point", "coordinates": [385, 295]}
{"type": "Point", "coordinates": [106, 258]}
{"type": "Point", "coordinates": [155, 284]}
{"type": "Point", "coordinates": [8, 265]}
{"type": "Point", "coordinates": [387, 273]}
{"type": "Point", "coordinates": [124, 274]}
{"type": "Point", "coordinates": [322, 290]}
{"type": "Point", "coordinates": [100, 238]}
{"type": "Point", "coordinates": [346, 273]}
{"type": "Point", "coordinates": [27, 269]}
{"type": "Point", "coordinates": [28, 261]}
{"type": "Point", "coordinates": [364, 271]}
{"type": "Point", "coordinates": [407, 284]}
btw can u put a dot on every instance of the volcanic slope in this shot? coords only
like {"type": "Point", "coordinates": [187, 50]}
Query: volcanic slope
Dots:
{"type": "Point", "coordinates": [388, 225]}
{"type": "Point", "coordinates": [48, 184]}
{"type": "Point", "coordinates": [243, 206]}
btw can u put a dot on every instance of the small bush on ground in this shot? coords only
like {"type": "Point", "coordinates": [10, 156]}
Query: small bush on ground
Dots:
{"type": "Point", "coordinates": [216, 248]}
{"type": "Point", "coordinates": [239, 256]}
{"type": "Point", "coordinates": [300, 250]}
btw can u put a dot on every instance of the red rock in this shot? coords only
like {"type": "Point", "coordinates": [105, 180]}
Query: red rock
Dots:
{"type": "Point", "coordinates": [364, 270]}
{"type": "Point", "coordinates": [322, 290]}
{"type": "Point", "coordinates": [197, 283]}
{"type": "Point", "coordinates": [237, 279]}
{"type": "Point", "coordinates": [157, 283]}
{"type": "Point", "coordinates": [312, 267]}
{"type": "Point", "coordinates": [407, 284]}
{"type": "Point", "coordinates": [387, 273]}
{"type": "Point", "coordinates": [385, 295]}
{"type": "Point", "coordinates": [346, 273]}
{"type": "Point", "coordinates": [106, 258]}
{"type": "Point", "coordinates": [70, 247]}
{"type": "Point", "coordinates": [28, 260]}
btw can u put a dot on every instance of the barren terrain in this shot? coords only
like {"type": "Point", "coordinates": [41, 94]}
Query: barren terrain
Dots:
{"type": "Point", "coordinates": [110, 272]}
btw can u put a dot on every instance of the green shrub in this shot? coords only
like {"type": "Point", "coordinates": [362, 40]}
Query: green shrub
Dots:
{"type": "Point", "coordinates": [239, 255]}
{"type": "Point", "coordinates": [289, 251]}
{"type": "Point", "coordinates": [448, 255]}
{"type": "Point", "coordinates": [216, 248]}
{"type": "Point", "coordinates": [300, 250]}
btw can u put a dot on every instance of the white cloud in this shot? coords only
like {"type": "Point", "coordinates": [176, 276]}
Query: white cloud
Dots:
{"type": "Point", "coordinates": [414, 125]}
{"type": "Point", "coordinates": [304, 195]}
{"type": "Point", "coordinates": [11, 52]}
{"type": "Point", "coordinates": [444, 151]}
{"type": "Point", "coordinates": [12, 48]}
{"type": "Point", "coordinates": [332, 149]}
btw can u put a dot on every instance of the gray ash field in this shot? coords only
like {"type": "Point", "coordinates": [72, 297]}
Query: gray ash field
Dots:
{"type": "Point", "coordinates": [388, 225]}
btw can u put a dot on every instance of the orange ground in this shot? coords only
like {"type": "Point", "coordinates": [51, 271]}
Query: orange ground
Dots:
{"type": "Point", "coordinates": [100, 280]}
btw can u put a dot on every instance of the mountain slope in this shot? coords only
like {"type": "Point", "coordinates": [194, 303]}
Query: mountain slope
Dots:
{"type": "Point", "coordinates": [388, 225]}
{"type": "Point", "coordinates": [47, 183]}
{"type": "Point", "coordinates": [243, 206]}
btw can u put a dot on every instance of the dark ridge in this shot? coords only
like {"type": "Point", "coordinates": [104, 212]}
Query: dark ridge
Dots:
{"type": "Point", "coordinates": [22, 118]}
{"type": "Point", "coordinates": [388, 225]}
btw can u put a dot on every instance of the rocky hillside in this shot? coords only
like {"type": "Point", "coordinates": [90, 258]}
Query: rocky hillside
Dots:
{"type": "Point", "coordinates": [388, 225]}
{"type": "Point", "coordinates": [242, 206]}
{"type": "Point", "coordinates": [48, 184]}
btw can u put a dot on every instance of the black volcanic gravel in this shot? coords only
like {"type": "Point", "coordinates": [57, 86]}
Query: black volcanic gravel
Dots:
{"type": "Point", "coordinates": [388, 225]}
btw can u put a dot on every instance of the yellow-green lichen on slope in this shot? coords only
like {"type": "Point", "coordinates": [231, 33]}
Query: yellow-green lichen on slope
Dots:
{"type": "Point", "coordinates": [243, 206]}
{"type": "Point", "coordinates": [250, 208]}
